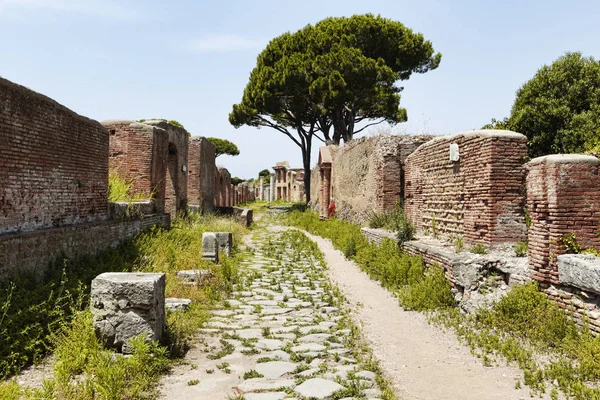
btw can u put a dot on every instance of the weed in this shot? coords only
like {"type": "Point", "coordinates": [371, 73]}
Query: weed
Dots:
{"type": "Point", "coordinates": [479, 248]}
{"type": "Point", "coordinates": [521, 249]}
{"type": "Point", "coordinates": [193, 382]}
{"type": "Point", "coordinates": [252, 374]}
{"type": "Point", "coordinates": [459, 244]}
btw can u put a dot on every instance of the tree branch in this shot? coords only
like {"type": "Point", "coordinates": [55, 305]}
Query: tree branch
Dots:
{"type": "Point", "coordinates": [368, 125]}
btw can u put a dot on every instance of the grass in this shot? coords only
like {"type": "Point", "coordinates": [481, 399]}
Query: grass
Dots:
{"type": "Point", "coordinates": [121, 190]}
{"type": "Point", "coordinates": [397, 271]}
{"type": "Point", "coordinates": [40, 317]}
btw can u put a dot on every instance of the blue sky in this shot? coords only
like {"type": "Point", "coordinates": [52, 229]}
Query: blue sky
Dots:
{"type": "Point", "coordinates": [190, 60]}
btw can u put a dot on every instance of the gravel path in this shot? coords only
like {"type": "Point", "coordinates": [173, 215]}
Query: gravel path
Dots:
{"type": "Point", "coordinates": [421, 360]}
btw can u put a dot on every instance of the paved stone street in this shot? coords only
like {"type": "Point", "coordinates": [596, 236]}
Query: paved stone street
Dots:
{"type": "Point", "coordinates": [280, 335]}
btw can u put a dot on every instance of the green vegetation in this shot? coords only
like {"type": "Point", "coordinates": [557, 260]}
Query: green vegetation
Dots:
{"type": "Point", "coordinates": [479, 248]}
{"type": "Point", "coordinates": [559, 108]}
{"type": "Point", "coordinates": [121, 190]}
{"type": "Point", "coordinates": [170, 121]}
{"type": "Point", "coordinates": [326, 78]}
{"type": "Point", "coordinates": [38, 317]}
{"type": "Point", "coordinates": [405, 275]}
{"type": "Point", "coordinates": [393, 220]}
{"type": "Point", "coordinates": [224, 146]}
{"type": "Point", "coordinates": [527, 328]}
{"type": "Point", "coordinates": [459, 244]}
{"type": "Point", "coordinates": [521, 249]}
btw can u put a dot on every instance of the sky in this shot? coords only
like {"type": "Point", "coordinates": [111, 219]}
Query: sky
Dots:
{"type": "Point", "coordinates": [190, 60]}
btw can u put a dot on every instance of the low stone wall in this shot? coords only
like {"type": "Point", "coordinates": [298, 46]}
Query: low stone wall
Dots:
{"type": "Point", "coordinates": [244, 216]}
{"type": "Point", "coordinates": [32, 252]}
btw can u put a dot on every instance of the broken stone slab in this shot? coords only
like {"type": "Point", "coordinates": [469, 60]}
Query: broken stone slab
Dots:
{"type": "Point", "coordinates": [318, 388]}
{"type": "Point", "coordinates": [265, 396]}
{"type": "Point", "coordinates": [125, 305]}
{"type": "Point", "coordinates": [580, 270]}
{"type": "Point", "coordinates": [175, 304]}
{"type": "Point", "coordinates": [225, 241]}
{"type": "Point", "coordinates": [210, 247]}
{"type": "Point", "coordinates": [194, 275]}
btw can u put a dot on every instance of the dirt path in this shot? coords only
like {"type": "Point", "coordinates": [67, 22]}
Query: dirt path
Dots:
{"type": "Point", "coordinates": [421, 361]}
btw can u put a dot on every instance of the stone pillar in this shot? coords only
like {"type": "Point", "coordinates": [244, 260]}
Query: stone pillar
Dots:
{"type": "Point", "coordinates": [325, 190]}
{"type": "Point", "coordinates": [272, 188]}
{"type": "Point", "coordinates": [125, 305]}
{"type": "Point", "coordinates": [563, 198]}
{"type": "Point", "coordinates": [225, 241]}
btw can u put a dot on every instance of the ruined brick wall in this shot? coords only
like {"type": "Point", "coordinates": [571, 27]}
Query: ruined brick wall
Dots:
{"type": "Point", "coordinates": [367, 174]}
{"type": "Point", "coordinates": [563, 197]}
{"type": "Point", "coordinates": [223, 188]}
{"type": "Point", "coordinates": [32, 252]}
{"type": "Point", "coordinates": [53, 169]}
{"type": "Point", "coordinates": [139, 154]}
{"type": "Point", "coordinates": [201, 173]}
{"type": "Point", "coordinates": [177, 164]}
{"type": "Point", "coordinates": [480, 197]}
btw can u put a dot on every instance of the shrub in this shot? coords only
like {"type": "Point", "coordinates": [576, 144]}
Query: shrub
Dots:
{"type": "Point", "coordinates": [521, 249]}
{"type": "Point", "coordinates": [427, 290]}
{"type": "Point", "coordinates": [479, 248]}
{"type": "Point", "coordinates": [350, 248]}
{"type": "Point", "coordinates": [121, 190]}
{"type": "Point", "coordinates": [459, 244]}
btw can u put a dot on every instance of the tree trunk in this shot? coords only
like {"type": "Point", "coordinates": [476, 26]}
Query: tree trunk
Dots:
{"type": "Point", "coordinates": [306, 166]}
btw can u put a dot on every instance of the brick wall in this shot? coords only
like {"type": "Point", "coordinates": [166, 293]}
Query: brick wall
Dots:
{"type": "Point", "coordinates": [177, 163]}
{"type": "Point", "coordinates": [201, 173]}
{"type": "Point", "coordinates": [224, 191]}
{"type": "Point", "coordinates": [563, 197]}
{"type": "Point", "coordinates": [479, 197]}
{"type": "Point", "coordinates": [53, 169]}
{"type": "Point", "coordinates": [33, 252]}
{"type": "Point", "coordinates": [139, 153]}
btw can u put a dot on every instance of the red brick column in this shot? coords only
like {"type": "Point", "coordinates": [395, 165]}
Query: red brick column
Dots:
{"type": "Point", "coordinates": [563, 197]}
{"type": "Point", "coordinates": [325, 189]}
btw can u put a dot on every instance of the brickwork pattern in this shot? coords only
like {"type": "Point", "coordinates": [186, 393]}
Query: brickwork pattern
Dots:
{"type": "Point", "coordinates": [478, 197]}
{"type": "Point", "coordinates": [53, 169]}
{"type": "Point", "coordinates": [201, 173]}
{"type": "Point", "coordinates": [139, 153]}
{"type": "Point", "coordinates": [563, 197]}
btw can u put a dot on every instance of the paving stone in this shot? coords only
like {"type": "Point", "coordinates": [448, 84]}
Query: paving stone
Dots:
{"type": "Point", "coordinates": [258, 384]}
{"type": "Point", "coordinates": [265, 396]}
{"type": "Point", "coordinates": [175, 304]}
{"type": "Point", "coordinates": [249, 333]}
{"type": "Point", "coordinates": [275, 369]}
{"type": "Point", "coordinates": [269, 344]}
{"type": "Point", "coordinates": [308, 347]}
{"type": "Point", "coordinates": [275, 311]}
{"type": "Point", "coordinates": [282, 355]}
{"type": "Point", "coordinates": [318, 388]}
{"type": "Point", "coordinates": [316, 337]}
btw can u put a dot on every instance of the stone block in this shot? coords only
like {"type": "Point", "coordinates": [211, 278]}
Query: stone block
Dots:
{"type": "Point", "coordinates": [225, 240]}
{"type": "Point", "coordinates": [125, 305]}
{"type": "Point", "coordinates": [210, 247]}
{"type": "Point", "coordinates": [580, 270]}
{"type": "Point", "coordinates": [194, 275]}
{"type": "Point", "coordinates": [175, 304]}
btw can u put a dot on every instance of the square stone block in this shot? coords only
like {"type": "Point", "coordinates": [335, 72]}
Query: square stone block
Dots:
{"type": "Point", "coordinates": [225, 241]}
{"type": "Point", "coordinates": [210, 247]}
{"type": "Point", "coordinates": [125, 305]}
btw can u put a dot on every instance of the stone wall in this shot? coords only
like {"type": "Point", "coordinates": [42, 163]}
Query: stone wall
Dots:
{"type": "Point", "coordinates": [32, 252]}
{"type": "Point", "coordinates": [139, 154]}
{"type": "Point", "coordinates": [479, 197]}
{"type": "Point", "coordinates": [53, 169]}
{"type": "Point", "coordinates": [224, 191]}
{"type": "Point", "coordinates": [367, 174]}
{"type": "Point", "coordinates": [201, 173]}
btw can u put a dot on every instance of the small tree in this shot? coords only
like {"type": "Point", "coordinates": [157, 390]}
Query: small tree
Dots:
{"type": "Point", "coordinates": [235, 180]}
{"type": "Point", "coordinates": [559, 108]}
{"type": "Point", "coordinates": [266, 174]}
{"type": "Point", "coordinates": [224, 146]}
{"type": "Point", "coordinates": [325, 79]}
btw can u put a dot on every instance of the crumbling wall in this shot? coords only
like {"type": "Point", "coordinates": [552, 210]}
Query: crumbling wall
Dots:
{"type": "Point", "coordinates": [367, 174]}
{"type": "Point", "coordinates": [563, 198]}
{"type": "Point", "coordinates": [177, 163]}
{"type": "Point", "coordinates": [201, 173]}
{"type": "Point", "coordinates": [139, 154]}
{"type": "Point", "coordinates": [53, 169]}
{"type": "Point", "coordinates": [479, 197]}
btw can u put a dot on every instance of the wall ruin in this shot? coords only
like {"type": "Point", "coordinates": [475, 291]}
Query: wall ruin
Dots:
{"type": "Point", "coordinates": [201, 174]}
{"type": "Point", "coordinates": [53, 169]}
{"type": "Point", "coordinates": [479, 197]}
